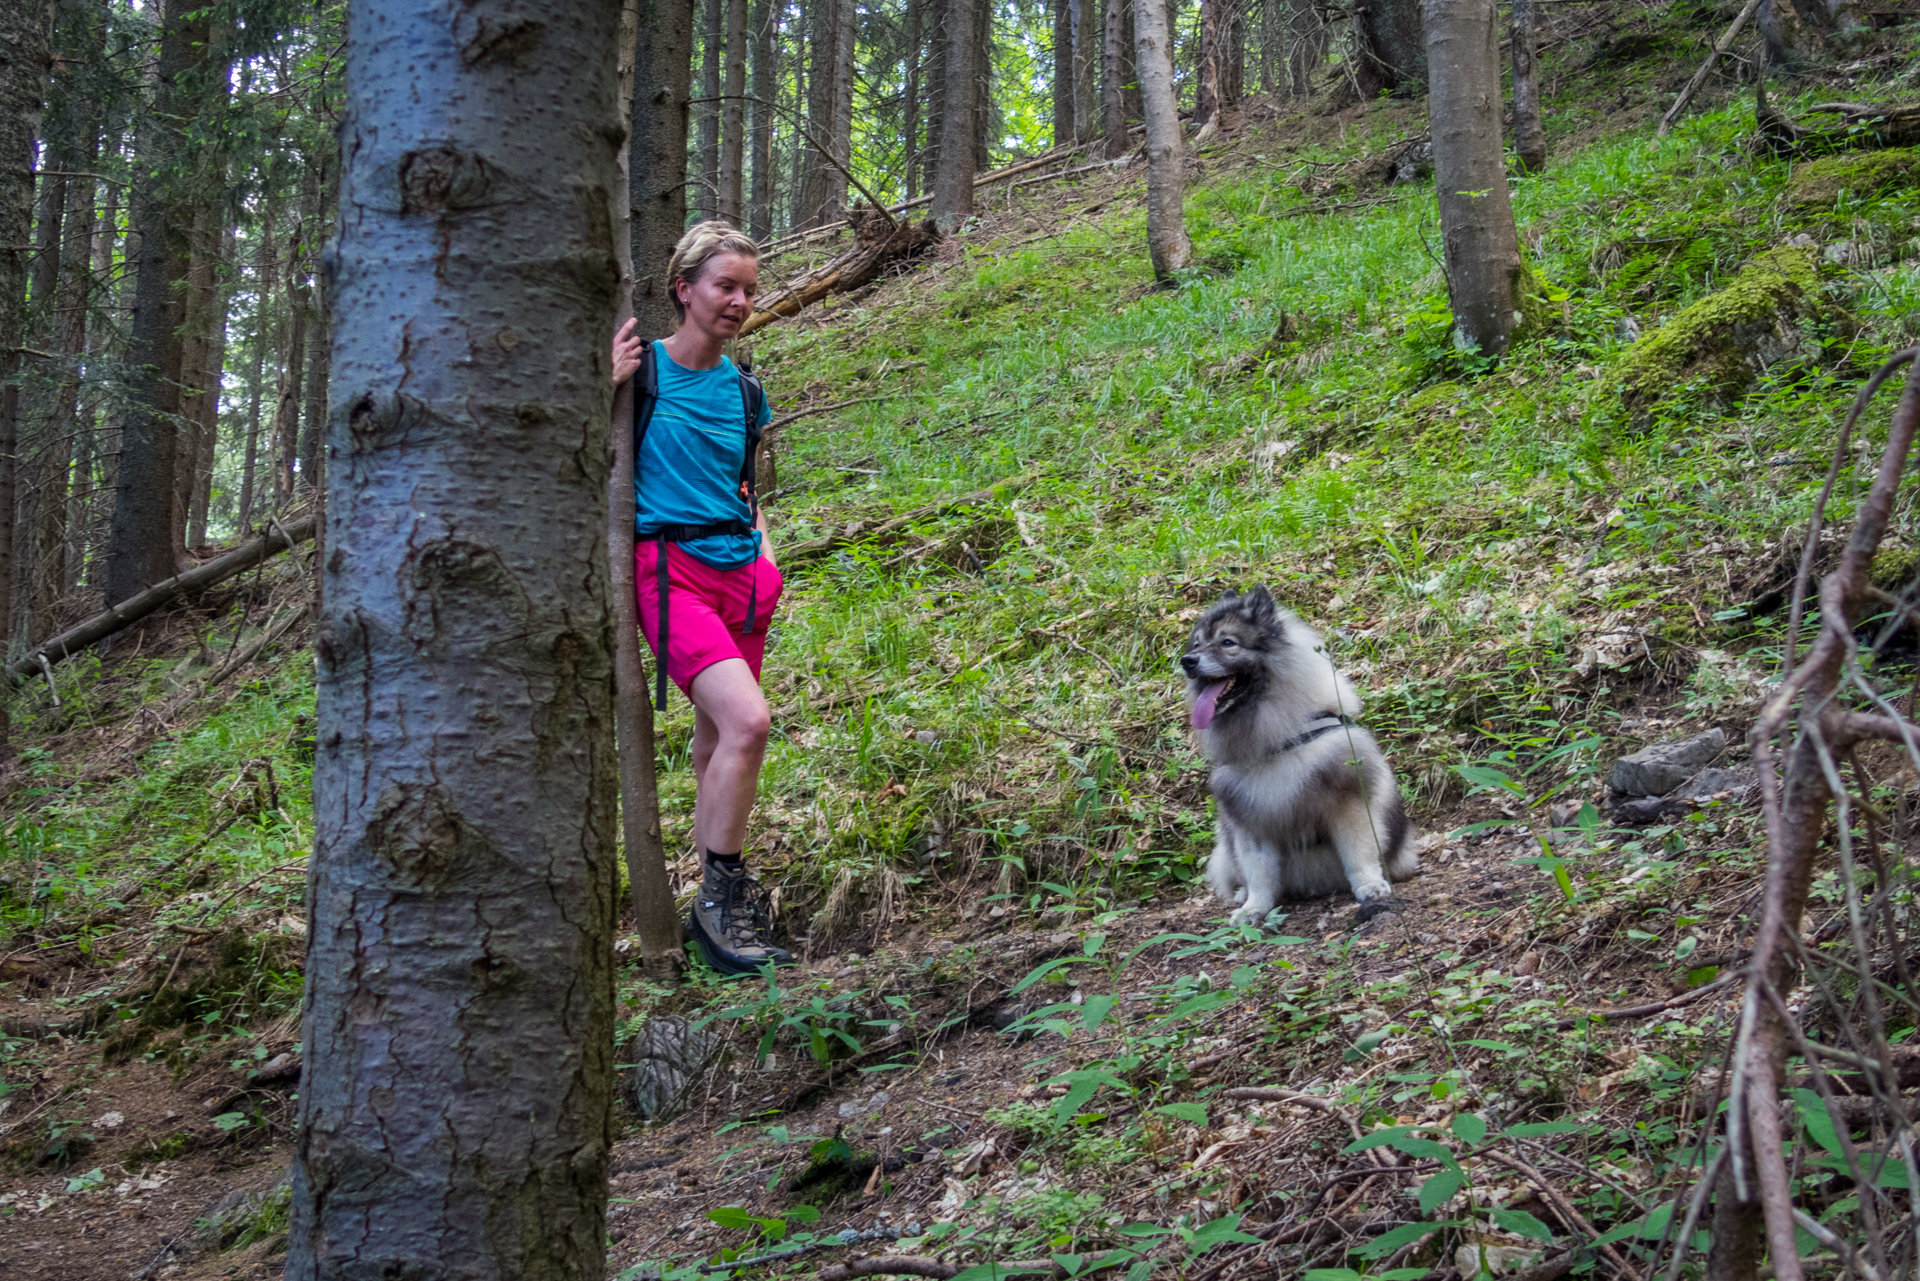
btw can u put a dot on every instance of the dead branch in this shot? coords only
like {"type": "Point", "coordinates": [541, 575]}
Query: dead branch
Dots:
{"type": "Point", "coordinates": [813, 548]}
{"type": "Point", "coordinates": [879, 242]}
{"type": "Point", "coordinates": [1564, 1208]}
{"type": "Point", "coordinates": [1714, 54]}
{"type": "Point", "coordinates": [134, 608]}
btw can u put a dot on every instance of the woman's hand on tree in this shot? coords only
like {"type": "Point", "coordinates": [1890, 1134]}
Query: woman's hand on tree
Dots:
{"type": "Point", "coordinates": [626, 352]}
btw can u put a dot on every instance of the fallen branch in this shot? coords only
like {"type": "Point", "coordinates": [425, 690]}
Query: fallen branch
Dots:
{"type": "Point", "coordinates": [135, 608]}
{"type": "Point", "coordinates": [1654, 1007]}
{"type": "Point", "coordinates": [811, 410]}
{"type": "Point", "coordinates": [1564, 1208]}
{"type": "Point", "coordinates": [877, 245]}
{"type": "Point", "coordinates": [1714, 55]}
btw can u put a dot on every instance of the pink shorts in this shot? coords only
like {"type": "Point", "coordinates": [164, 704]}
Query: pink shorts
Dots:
{"type": "Point", "coordinates": [706, 608]}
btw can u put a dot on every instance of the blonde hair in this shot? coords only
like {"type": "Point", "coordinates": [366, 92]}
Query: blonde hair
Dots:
{"type": "Point", "coordinates": [702, 243]}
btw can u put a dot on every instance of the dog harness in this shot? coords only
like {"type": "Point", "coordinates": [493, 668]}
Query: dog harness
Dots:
{"type": "Point", "coordinates": [646, 393]}
{"type": "Point", "coordinates": [1326, 723]}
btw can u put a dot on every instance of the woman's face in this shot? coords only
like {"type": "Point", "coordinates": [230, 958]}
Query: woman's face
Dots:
{"type": "Point", "coordinates": [721, 299]}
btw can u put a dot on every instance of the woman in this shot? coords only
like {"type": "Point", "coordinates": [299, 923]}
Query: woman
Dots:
{"type": "Point", "coordinates": [693, 507]}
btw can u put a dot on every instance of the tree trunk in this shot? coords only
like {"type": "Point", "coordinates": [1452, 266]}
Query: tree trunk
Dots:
{"type": "Point", "coordinates": [1206, 99]}
{"type": "Point", "coordinates": [816, 191]}
{"type": "Point", "coordinates": [662, 78]}
{"type": "Point", "coordinates": [1113, 71]}
{"type": "Point", "coordinates": [286, 419]}
{"type": "Point", "coordinates": [454, 1116]}
{"type": "Point", "coordinates": [196, 351]}
{"type": "Point", "coordinates": [313, 427]}
{"type": "Point", "coordinates": [263, 271]}
{"type": "Point", "coordinates": [936, 82]}
{"type": "Point", "coordinates": [910, 76]}
{"type": "Point", "coordinates": [842, 136]}
{"type": "Point", "coordinates": [653, 911]}
{"type": "Point", "coordinates": [23, 85]}
{"type": "Point", "coordinates": [1529, 135]}
{"type": "Point", "coordinates": [209, 427]}
{"type": "Point", "coordinates": [1129, 71]}
{"type": "Point", "coordinates": [765, 78]}
{"type": "Point", "coordinates": [140, 545]}
{"type": "Point", "coordinates": [1087, 36]}
{"type": "Point", "coordinates": [1233, 67]}
{"type": "Point", "coordinates": [707, 194]}
{"type": "Point", "coordinates": [983, 104]}
{"type": "Point", "coordinates": [1391, 52]}
{"type": "Point", "coordinates": [1167, 241]}
{"type": "Point", "coordinates": [1469, 167]}
{"type": "Point", "coordinates": [1063, 104]}
{"type": "Point", "coordinates": [1796, 32]}
{"type": "Point", "coordinates": [953, 180]}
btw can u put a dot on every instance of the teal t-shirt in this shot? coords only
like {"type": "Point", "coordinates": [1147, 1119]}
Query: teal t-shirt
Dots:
{"type": "Point", "coordinates": [688, 471]}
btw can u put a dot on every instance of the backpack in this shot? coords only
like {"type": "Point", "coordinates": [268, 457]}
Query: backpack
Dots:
{"type": "Point", "coordinates": [752, 398]}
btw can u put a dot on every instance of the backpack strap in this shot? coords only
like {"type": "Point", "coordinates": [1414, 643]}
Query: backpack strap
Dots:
{"type": "Point", "coordinates": [646, 392]}
{"type": "Point", "coordinates": [752, 398]}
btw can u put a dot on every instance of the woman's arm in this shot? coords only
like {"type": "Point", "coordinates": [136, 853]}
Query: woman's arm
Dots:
{"type": "Point", "coordinates": [766, 541]}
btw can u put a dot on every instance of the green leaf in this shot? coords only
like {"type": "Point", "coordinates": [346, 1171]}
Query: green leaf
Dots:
{"type": "Point", "coordinates": [1403, 1274]}
{"type": "Point", "coordinates": [1485, 777]}
{"type": "Point", "coordinates": [1332, 1274]}
{"type": "Point", "coordinates": [984, 1272]}
{"type": "Point", "coordinates": [1705, 974]}
{"type": "Point", "coordinates": [803, 1214]}
{"type": "Point", "coordinates": [1406, 1234]}
{"type": "Point", "coordinates": [1042, 972]}
{"type": "Point", "coordinates": [732, 1216]}
{"type": "Point", "coordinates": [1069, 1263]}
{"type": "Point", "coordinates": [1814, 1115]}
{"type": "Point", "coordinates": [1470, 1128]}
{"type": "Point", "coordinates": [1368, 1042]}
{"type": "Point", "coordinates": [1201, 1004]}
{"type": "Point", "coordinates": [1095, 1012]}
{"type": "Point", "coordinates": [1148, 1230]}
{"type": "Point", "coordinates": [1158, 939]}
{"type": "Point", "coordinates": [1522, 1224]}
{"type": "Point", "coordinates": [1221, 1231]}
{"type": "Point", "coordinates": [230, 1121]}
{"type": "Point", "coordinates": [1092, 943]}
{"type": "Point", "coordinates": [1426, 1149]}
{"type": "Point", "coordinates": [1503, 1046]}
{"type": "Point", "coordinates": [1438, 1188]}
{"type": "Point", "coordinates": [1535, 1129]}
{"type": "Point", "coordinates": [87, 1182]}
{"type": "Point", "coordinates": [1378, 1139]}
{"type": "Point", "coordinates": [1193, 1112]}
{"type": "Point", "coordinates": [1140, 1270]}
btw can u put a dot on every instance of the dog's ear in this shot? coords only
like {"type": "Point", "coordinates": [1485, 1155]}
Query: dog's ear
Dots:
{"type": "Point", "coordinates": [1260, 606]}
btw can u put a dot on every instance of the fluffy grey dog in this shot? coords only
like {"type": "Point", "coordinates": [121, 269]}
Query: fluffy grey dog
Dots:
{"type": "Point", "coordinates": [1306, 801]}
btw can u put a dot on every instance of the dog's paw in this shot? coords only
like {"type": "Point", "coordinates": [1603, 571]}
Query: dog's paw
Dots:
{"type": "Point", "coordinates": [1374, 907]}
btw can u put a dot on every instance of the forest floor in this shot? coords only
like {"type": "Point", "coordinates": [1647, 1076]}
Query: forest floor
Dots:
{"type": "Point", "coordinates": [1019, 1016]}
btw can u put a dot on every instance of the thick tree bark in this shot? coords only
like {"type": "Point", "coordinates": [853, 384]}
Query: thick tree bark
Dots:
{"type": "Point", "coordinates": [1087, 38]}
{"type": "Point", "coordinates": [1113, 70]}
{"type": "Point", "coordinates": [936, 82]}
{"type": "Point", "coordinates": [707, 195]}
{"type": "Point", "coordinates": [983, 104]}
{"type": "Point", "coordinates": [657, 146]}
{"type": "Point", "coordinates": [24, 31]}
{"type": "Point", "coordinates": [455, 1107]}
{"type": "Point", "coordinates": [760, 199]}
{"type": "Point", "coordinates": [1167, 240]}
{"type": "Point", "coordinates": [196, 379]}
{"type": "Point", "coordinates": [1233, 66]}
{"type": "Point", "coordinates": [1529, 135]}
{"type": "Point", "coordinates": [1482, 252]}
{"type": "Point", "coordinates": [1391, 51]}
{"type": "Point", "coordinates": [1306, 46]}
{"type": "Point", "coordinates": [953, 180]}
{"type": "Point", "coordinates": [140, 544]}
{"type": "Point", "coordinates": [1063, 104]}
{"type": "Point", "coordinates": [1129, 72]}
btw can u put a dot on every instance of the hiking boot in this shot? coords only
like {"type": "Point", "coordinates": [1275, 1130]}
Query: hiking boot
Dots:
{"type": "Point", "coordinates": [731, 919]}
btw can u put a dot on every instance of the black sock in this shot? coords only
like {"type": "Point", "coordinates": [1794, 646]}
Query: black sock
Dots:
{"type": "Point", "coordinates": [732, 864]}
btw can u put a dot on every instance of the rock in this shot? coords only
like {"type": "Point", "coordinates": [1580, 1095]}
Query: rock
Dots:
{"type": "Point", "coordinates": [1658, 768]}
{"type": "Point", "coordinates": [1500, 1259]}
{"type": "Point", "coordinates": [1714, 780]}
{"type": "Point", "coordinates": [1627, 330]}
{"type": "Point", "coordinates": [1757, 322]}
{"type": "Point", "coordinates": [1862, 173]}
{"type": "Point", "coordinates": [668, 1056]}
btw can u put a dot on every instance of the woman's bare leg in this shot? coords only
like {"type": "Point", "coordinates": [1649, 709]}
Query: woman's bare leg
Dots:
{"type": "Point", "coordinates": [731, 723]}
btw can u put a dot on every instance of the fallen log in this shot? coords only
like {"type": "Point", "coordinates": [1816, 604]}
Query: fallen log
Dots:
{"type": "Point", "coordinates": [1860, 126]}
{"type": "Point", "coordinates": [878, 243]}
{"type": "Point", "coordinates": [276, 539]}
{"type": "Point", "coordinates": [1715, 52]}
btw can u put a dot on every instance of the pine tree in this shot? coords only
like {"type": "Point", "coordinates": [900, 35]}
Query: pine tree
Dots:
{"type": "Point", "coordinates": [454, 1115]}
{"type": "Point", "coordinates": [1167, 241]}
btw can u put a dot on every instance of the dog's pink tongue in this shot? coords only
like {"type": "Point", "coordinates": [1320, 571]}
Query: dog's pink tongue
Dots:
{"type": "Point", "coordinates": [1204, 704]}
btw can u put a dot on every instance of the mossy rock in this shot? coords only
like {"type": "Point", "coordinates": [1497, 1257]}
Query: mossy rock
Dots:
{"type": "Point", "coordinates": [1895, 567]}
{"type": "Point", "coordinates": [1863, 173]}
{"type": "Point", "coordinates": [1728, 337]}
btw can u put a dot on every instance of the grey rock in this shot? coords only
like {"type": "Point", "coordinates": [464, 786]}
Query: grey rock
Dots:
{"type": "Point", "coordinates": [1658, 768]}
{"type": "Point", "coordinates": [668, 1056]}
{"type": "Point", "coordinates": [1716, 779]}
{"type": "Point", "coordinates": [1627, 329]}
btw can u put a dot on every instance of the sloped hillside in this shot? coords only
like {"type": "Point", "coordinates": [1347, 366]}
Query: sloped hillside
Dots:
{"type": "Point", "coordinates": [1022, 1031]}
